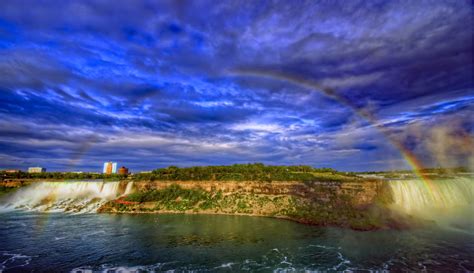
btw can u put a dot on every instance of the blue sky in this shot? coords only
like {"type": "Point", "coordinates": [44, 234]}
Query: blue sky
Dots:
{"type": "Point", "coordinates": [152, 84]}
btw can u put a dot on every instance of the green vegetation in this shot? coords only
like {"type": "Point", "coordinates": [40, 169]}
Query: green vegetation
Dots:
{"type": "Point", "coordinates": [236, 172]}
{"type": "Point", "coordinates": [169, 194]}
{"type": "Point", "coordinates": [175, 198]}
{"type": "Point", "coordinates": [5, 190]}
{"type": "Point", "coordinates": [239, 172]}
{"type": "Point", "coordinates": [61, 175]}
{"type": "Point", "coordinates": [337, 210]}
{"type": "Point", "coordinates": [342, 214]}
{"type": "Point", "coordinates": [245, 172]}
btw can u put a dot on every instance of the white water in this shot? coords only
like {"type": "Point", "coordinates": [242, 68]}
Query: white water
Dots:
{"type": "Point", "coordinates": [449, 202]}
{"type": "Point", "coordinates": [416, 195]}
{"type": "Point", "coordinates": [82, 196]}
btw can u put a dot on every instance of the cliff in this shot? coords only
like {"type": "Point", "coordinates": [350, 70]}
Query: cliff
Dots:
{"type": "Point", "coordinates": [14, 183]}
{"type": "Point", "coordinates": [360, 193]}
{"type": "Point", "coordinates": [358, 205]}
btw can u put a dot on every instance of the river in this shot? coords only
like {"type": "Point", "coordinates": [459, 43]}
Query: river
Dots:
{"type": "Point", "coordinates": [51, 242]}
{"type": "Point", "coordinates": [53, 227]}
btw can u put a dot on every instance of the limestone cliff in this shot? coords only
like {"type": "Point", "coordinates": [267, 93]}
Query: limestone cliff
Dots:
{"type": "Point", "coordinates": [359, 204]}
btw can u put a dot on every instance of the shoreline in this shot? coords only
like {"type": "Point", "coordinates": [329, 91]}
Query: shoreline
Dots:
{"type": "Point", "coordinates": [356, 205]}
{"type": "Point", "coordinates": [359, 205]}
{"type": "Point", "coordinates": [285, 218]}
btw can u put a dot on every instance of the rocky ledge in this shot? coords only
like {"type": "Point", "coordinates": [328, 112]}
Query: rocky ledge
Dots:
{"type": "Point", "coordinates": [360, 205]}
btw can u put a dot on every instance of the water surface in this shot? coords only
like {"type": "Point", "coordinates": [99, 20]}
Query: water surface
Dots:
{"type": "Point", "coordinates": [46, 242]}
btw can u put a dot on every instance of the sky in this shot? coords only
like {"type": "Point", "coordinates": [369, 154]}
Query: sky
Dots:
{"type": "Point", "coordinates": [153, 84]}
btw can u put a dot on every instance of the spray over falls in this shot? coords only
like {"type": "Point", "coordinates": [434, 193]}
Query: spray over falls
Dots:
{"type": "Point", "coordinates": [83, 196]}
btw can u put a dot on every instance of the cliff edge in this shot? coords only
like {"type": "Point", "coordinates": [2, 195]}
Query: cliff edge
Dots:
{"type": "Point", "coordinates": [360, 205]}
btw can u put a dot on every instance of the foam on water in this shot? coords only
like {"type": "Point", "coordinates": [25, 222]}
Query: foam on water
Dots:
{"type": "Point", "coordinates": [275, 260]}
{"type": "Point", "coordinates": [77, 197]}
{"type": "Point", "coordinates": [13, 260]}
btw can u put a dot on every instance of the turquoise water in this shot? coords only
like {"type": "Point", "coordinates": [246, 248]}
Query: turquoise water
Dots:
{"type": "Point", "coordinates": [50, 242]}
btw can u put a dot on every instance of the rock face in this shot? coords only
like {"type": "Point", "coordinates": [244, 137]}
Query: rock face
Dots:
{"type": "Point", "coordinates": [14, 183]}
{"type": "Point", "coordinates": [358, 204]}
{"type": "Point", "coordinates": [360, 193]}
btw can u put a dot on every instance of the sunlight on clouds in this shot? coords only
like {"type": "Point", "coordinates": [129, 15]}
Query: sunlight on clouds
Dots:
{"type": "Point", "coordinates": [259, 127]}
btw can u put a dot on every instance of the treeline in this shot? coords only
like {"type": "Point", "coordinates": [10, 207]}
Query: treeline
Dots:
{"type": "Point", "coordinates": [242, 172]}
{"type": "Point", "coordinates": [60, 175]}
{"type": "Point", "coordinates": [236, 172]}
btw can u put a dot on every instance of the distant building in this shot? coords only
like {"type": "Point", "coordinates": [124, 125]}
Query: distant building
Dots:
{"type": "Point", "coordinates": [36, 170]}
{"type": "Point", "coordinates": [123, 170]}
{"type": "Point", "coordinates": [12, 171]}
{"type": "Point", "coordinates": [110, 167]}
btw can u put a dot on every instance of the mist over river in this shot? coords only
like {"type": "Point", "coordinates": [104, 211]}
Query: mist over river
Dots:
{"type": "Point", "coordinates": [51, 242]}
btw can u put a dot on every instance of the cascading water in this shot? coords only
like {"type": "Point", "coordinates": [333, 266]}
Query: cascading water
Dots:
{"type": "Point", "coordinates": [414, 195]}
{"type": "Point", "coordinates": [82, 196]}
{"type": "Point", "coordinates": [449, 202]}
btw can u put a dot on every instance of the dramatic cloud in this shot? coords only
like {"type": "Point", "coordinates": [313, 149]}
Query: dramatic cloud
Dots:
{"type": "Point", "coordinates": [219, 82]}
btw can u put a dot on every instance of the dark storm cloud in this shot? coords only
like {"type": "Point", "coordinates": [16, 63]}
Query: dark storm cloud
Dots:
{"type": "Point", "coordinates": [150, 84]}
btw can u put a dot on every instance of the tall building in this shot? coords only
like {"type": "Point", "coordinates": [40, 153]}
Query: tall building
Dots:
{"type": "Point", "coordinates": [110, 167]}
{"type": "Point", "coordinates": [123, 170]}
{"type": "Point", "coordinates": [36, 170]}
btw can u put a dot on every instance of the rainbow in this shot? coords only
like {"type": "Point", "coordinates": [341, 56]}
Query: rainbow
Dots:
{"type": "Point", "coordinates": [409, 157]}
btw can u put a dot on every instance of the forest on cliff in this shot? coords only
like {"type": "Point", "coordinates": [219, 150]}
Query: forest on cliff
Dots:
{"type": "Point", "coordinates": [236, 172]}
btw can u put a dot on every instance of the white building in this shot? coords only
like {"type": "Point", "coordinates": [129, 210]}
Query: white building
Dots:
{"type": "Point", "coordinates": [36, 170]}
{"type": "Point", "coordinates": [110, 167]}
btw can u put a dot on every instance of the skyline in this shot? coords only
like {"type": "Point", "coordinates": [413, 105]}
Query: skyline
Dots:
{"type": "Point", "coordinates": [199, 83]}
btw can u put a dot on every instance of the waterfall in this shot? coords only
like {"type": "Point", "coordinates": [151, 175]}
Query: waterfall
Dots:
{"type": "Point", "coordinates": [416, 195]}
{"type": "Point", "coordinates": [80, 196]}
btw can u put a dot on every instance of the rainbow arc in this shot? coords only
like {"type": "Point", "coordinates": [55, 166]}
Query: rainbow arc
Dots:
{"type": "Point", "coordinates": [414, 163]}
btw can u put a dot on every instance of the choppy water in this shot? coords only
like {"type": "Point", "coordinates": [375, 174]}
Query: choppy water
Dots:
{"type": "Point", "coordinates": [50, 242]}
